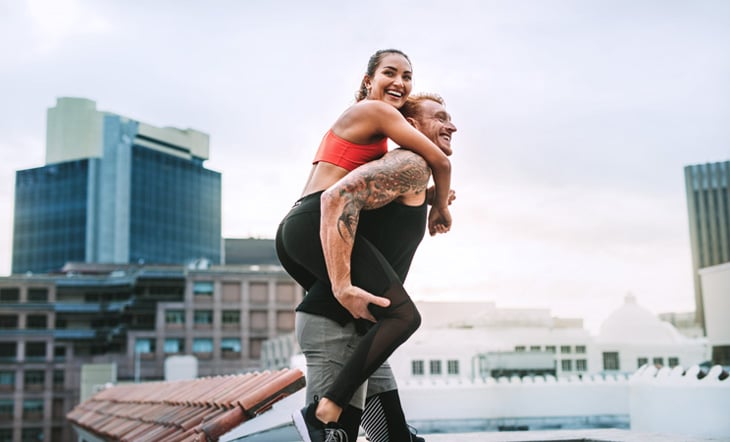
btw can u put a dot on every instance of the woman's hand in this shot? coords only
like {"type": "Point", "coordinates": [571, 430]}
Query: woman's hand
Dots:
{"type": "Point", "coordinates": [356, 301]}
{"type": "Point", "coordinates": [431, 192]}
{"type": "Point", "coordinates": [439, 220]}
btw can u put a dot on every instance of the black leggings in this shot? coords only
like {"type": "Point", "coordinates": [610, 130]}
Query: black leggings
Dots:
{"type": "Point", "coordinates": [299, 248]}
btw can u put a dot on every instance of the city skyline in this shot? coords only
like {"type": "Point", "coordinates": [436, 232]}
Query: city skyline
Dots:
{"type": "Point", "coordinates": [575, 121]}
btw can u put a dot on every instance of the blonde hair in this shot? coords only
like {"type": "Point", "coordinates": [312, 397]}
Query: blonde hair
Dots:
{"type": "Point", "coordinates": [412, 106]}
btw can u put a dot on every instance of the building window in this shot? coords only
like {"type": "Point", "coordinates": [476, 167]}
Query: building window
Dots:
{"type": "Point", "coordinates": [258, 321]}
{"type": "Point", "coordinates": [8, 351]}
{"type": "Point", "coordinates": [259, 292]}
{"type": "Point", "coordinates": [417, 368]}
{"type": "Point", "coordinates": [581, 365]}
{"type": "Point", "coordinates": [673, 361]}
{"type": "Point", "coordinates": [550, 348]}
{"type": "Point", "coordinates": [203, 288]}
{"type": "Point", "coordinates": [203, 347]}
{"type": "Point", "coordinates": [59, 353]}
{"type": "Point", "coordinates": [59, 379]}
{"type": "Point", "coordinates": [144, 345]}
{"type": "Point", "coordinates": [38, 295]}
{"type": "Point", "coordinates": [286, 293]}
{"type": "Point", "coordinates": [640, 362]}
{"type": "Point", "coordinates": [535, 348]}
{"type": "Point", "coordinates": [57, 410]}
{"type": "Point", "coordinates": [32, 434]}
{"type": "Point", "coordinates": [8, 322]}
{"type": "Point", "coordinates": [231, 347]}
{"type": "Point", "coordinates": [231, 318]}
{"type": "Point", "coordinates": [566, 365]}
{"type": "Point", "coordinates": [174, 317]}
{"type": "Point", "coordinates": [580, 349]}
{"type": "Point", "coordinates": [659, 362]}
{"type": "Point", "coordinates": [7, 380]}
{"type": "Point", "coordinates": [9, 295]}
{"type": "Point", "coordinates": [519, 348]}
{"type": "Point", "coordinates": [435, 367]}
{"type": "Point", "coordinates": [565, 349]}
{"type": "Point", "coordinates": [174, 345]}
{"type": "Point", "coordinates": [34, 379]}
{"type": "Point", "coordinates": [36, 322]}
{"type": "Point", "coordinates": [610, 360]}
{"type": "Point", "coordinates": [33, 410]}
{"type": "Point", "coordinates": [285, 321]}
{"type": "Point", "coordinates": [203, 318]}
{"type": "Point", "coordinates": [231, 292]}
{"type": "Point", "coordinates": [35, 351]}
{"type": "Point", "coordinates": [254, 349]}
{"type": "Point", "coordinates": [6, 411]}
{"type": "Point", "coordinates": [453, 366]}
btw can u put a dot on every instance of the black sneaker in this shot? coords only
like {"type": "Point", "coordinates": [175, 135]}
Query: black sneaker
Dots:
{"type": "Point", "coordinates": [312, 429]}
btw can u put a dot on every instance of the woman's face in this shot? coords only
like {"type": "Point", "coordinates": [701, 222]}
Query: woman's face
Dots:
{"type": "Point", "coordinates": [392, 81]}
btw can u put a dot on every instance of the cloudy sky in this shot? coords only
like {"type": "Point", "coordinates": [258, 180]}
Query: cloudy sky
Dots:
{"type": "Point", "coordinates": [576, 119]}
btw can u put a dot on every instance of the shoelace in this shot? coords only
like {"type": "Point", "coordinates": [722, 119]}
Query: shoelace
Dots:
{"type": "Point", "coordinates": [335, 435]}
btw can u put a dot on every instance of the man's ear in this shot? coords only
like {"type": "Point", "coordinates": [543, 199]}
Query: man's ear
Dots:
{"type": "Point", "coordinates": [412, 121]}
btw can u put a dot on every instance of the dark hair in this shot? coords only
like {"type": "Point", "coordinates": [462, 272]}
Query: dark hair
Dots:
{"type": "Point", "coordinates": [373, 64]}
{"type": "Point", "coordinates": [412, 106]}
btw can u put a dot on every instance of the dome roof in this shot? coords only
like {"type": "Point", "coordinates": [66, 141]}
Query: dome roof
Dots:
{"type": "Point", "coordinates": [632, 323]}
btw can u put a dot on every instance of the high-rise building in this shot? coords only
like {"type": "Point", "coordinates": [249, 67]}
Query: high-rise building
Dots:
{"type": "Point", "coordinates": [115, 190]}
{"type": "Point", "coordinates": [708, 204]}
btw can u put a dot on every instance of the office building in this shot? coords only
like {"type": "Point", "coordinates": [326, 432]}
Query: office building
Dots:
{"type": "Point", "coordinates": [132, 318]}
{"type": "Point", "coordinates": [115, 190]}
{"type": "Point", "coordinates": [708, 205]}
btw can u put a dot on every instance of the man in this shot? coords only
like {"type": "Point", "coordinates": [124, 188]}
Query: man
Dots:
{"type": "Point", "coordinates": [394, 190]}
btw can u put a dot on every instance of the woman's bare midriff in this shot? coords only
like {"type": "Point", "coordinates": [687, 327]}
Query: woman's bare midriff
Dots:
{"type": "Point", "coordinates": [322, 176]}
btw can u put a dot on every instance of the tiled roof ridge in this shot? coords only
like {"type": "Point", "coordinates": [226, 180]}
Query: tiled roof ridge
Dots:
{"type": "Point", "coordinates": [186, 410]}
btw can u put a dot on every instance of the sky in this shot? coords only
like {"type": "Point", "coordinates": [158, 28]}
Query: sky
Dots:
{"type": "Point", "coordinates": [575, 121]}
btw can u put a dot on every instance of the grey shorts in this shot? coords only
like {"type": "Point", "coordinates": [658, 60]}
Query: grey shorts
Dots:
{"type": "Point", "coordinates": [327, 345]}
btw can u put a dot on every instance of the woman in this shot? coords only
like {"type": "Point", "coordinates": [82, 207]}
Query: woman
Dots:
{"type": "Point", "coordinates": [360, 276]}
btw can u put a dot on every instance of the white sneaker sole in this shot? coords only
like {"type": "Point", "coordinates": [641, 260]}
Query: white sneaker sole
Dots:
{"type": "Point", "coordinates": [301, 426]}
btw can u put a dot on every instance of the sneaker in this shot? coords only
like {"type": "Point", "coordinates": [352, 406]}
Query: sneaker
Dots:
{"type": "Point", "coordinates": [312, 429]}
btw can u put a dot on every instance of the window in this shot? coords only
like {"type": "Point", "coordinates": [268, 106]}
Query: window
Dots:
{"type": "Point", "coordinates": [659, 361]}
{"type": "Point", "coordinates": [202, 345]}
{"type": "Point", "coordinates": [33, 409]}
{"type": "Point", "coordinates": [34, 379]}
{"type": "Point", "coordinates": [641, 362]}
{"type": "Point", "coordinates": [57, 410]}
{"type": "Point", "coordinates": [519, 348]}
{"type": "Point", "coordinates": [231, 292]}
{"type": "Point", "coordinates": [59, 378]}
{"type": "Point", "coordinates": [8, 351]}
{"type": "Point", "coordinates": [231, 345]}
{"type": "Point", "coordinates": [7, 380]}
{"type": "Point", "coordinates": [258, 321]}
{"type": "Point", "coordinates": [36, 322]}
{"type": "Point", "coordinates": [9, 295]}
{"type": "Point", "coordinates": [174, 317]}
{"type": "Point", "coordinates": [452, 366]}
{"type": "Point", "coordinates": [144, 345]}
{"type": "Point", "coordinates": [580, 349]}
{"type": "Point", "coordinates": [254, 349]}
{"type": "Point", "coordinates": [565, 349]}
{"type": "Point", "coordinates": [550, 348]}
{"type": "Point", "coordinates": [35, 351]}
{"type": "Point", "coordinates": [286, 293]}
{"type": "Point", "coordinates": [204, 288]}
{"type": "Point", "coordinates": [6, 410]}
{"type": "Point", "coordinates": [231, 317]}
{"type": "Point", "coordinates": [38, 295]}
{"type": "Point", "coordinates": [435, 367]}
{"type": "Point", "coordinates": [417, 368]}
{"type": "Point", "coordinates": [285, 321]}
{"type": "Point", "coordinates": [581, 365]}
{"type": "Point", "coordinates": [610, 360]}
{"type": "Point", "coordinates": [566, 365]}
{"type": "Point", "coordinates": [32, 434]}
{"type": "Point", "coordinates": [174, 345]}
{"type": "Point", "coordinates": [535, 348]}
{"type": "Point", "coordinates": [259, 293]}
{"type": "Point", "coordinates": [203, 317]}
{"type": "Point", "coordinates": [59, 353]}
{"type": "Point", "coordinates": [8, 322]}
{"type": "Point", "coordinates": [673, 361]}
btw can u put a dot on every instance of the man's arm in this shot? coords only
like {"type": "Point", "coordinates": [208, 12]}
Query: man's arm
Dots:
{"type": "Point", "coordinates": [370, 186]}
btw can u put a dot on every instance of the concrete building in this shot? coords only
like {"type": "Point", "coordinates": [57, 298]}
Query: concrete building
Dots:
{"type": "Point", "coordinates": [708, 206]}
{"type": "Point", "coordinates": [115, 190]}
{"type": "Point", "coordinates": [716, 294]}
{"type": "Point", "coordinates": [132, 317]}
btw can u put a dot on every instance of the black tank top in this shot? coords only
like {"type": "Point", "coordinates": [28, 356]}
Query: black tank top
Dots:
{"type": "Point", "coordinates": [395, 230]}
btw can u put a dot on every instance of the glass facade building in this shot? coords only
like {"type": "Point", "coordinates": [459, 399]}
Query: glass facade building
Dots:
{"type": "Point", "coordinates": [708, 205]}
{"type": "Point", "coordinates": [116, 191]}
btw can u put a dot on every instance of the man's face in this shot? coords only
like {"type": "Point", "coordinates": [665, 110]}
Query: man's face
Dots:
{"type": "Point", "coordinates": [434, 122]}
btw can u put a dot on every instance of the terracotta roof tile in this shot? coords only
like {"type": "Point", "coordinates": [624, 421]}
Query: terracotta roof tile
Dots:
{"type": "Point", "coordinates": [183, 411]}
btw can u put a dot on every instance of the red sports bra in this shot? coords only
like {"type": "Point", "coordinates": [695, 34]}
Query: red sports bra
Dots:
{"type": "Point", "coordinates": [347, 155]}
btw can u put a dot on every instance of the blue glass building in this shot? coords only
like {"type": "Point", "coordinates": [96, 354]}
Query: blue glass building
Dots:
{"type": "Point", "coordinates": [115, 190]}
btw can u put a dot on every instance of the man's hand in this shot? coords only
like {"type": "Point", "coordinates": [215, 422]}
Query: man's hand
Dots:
{"type": "Point", "coordinates": [356, 301]}
{"type": "Point", "coordinates": [439, 220]}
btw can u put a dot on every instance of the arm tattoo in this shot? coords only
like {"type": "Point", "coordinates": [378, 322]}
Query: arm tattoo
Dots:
{"type": "Point", "coordinates": [378, 183]}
